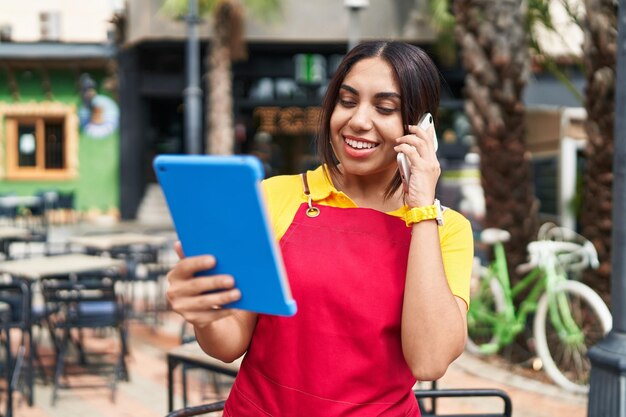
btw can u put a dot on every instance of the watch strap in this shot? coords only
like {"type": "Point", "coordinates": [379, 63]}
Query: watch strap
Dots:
{"type": "Point", "coordinates": [419, 214]}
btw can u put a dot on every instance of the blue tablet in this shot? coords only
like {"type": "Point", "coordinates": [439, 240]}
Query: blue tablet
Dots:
{"type": "Point", "coordinates": [218, 208]}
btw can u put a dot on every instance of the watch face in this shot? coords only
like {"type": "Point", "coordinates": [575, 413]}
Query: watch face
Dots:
{"type": "Point", "coordinates": [439, 213]}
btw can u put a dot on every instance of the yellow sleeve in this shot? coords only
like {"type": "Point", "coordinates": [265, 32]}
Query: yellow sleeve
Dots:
{"type": "Point", "coordinates": [457, 250]}
{"type": "Point", "coordinates": [283, 195]}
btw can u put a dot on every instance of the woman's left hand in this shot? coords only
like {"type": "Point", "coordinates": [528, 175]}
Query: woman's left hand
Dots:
{"type": "Point", "coordinates": [419, 148]}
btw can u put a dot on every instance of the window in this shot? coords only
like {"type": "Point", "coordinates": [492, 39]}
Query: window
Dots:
{"type": "Point", "coordinates": [40, 141]}
{"type": "Point", "coordinates": [546, 183]}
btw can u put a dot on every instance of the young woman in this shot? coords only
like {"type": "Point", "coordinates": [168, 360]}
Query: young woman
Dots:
{"type": "Point", "coordinates": [381, 277]}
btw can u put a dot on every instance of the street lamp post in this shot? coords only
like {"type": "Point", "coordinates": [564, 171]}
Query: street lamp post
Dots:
{"type": "Point", "coordinates": [607, 394]}
{"type": "Point", "coordinates": [193, 93]}
{"type": "Point", "coordinates": [354, 27]}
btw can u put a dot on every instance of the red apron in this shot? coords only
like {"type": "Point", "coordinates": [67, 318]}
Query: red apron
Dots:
{"type": "Point", "coordinates": [341, 354]}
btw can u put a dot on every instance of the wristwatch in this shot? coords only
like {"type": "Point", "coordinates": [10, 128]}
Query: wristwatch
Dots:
{"type": "Point", "coordinates": [418, 214]}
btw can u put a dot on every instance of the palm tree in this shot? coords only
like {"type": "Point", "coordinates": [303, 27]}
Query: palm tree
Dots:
{"type": "Point", "coordinates": [494, 50]}
{"type": "Point", "coordinates": [599, 61]}
{"type": "Point", "coordinates": [227, 45]}
{"type": "Point", "coordinates": [600, 47]}
{"type": "Point", "coordinates": [599, 25]}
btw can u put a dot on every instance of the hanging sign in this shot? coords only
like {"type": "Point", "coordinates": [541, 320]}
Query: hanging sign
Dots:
{"type": "Point", "coordinates": [310, 68]}
{"type": "Point", "coordinates": [288, 120]}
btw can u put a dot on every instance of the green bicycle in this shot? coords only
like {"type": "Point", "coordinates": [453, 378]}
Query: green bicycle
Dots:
{"type": "Point", "coordinates": [569, 317]}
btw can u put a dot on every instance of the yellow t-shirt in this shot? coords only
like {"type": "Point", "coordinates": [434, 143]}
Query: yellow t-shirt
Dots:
{"type": "Point", "coordinates": [284, 195]}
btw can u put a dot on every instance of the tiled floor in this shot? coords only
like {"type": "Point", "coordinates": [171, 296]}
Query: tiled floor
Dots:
{"type": "Point", "coordinates": [145, 395]}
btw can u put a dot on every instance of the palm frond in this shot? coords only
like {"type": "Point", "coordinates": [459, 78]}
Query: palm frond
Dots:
{"type": "Point", "coordinates": [538, 13]}
{"type": "Point", "coordinates": [266, 10]}
{"type": "Point", "coordinates": [574, 11]}
{"type": "Point", "coordinates": [443, 22]}
{"type": "Point", "coordinates": [179, 8]}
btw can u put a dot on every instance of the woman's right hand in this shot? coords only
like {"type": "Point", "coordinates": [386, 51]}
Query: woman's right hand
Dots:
{"type": "Point", "coordinates": [199, 299]}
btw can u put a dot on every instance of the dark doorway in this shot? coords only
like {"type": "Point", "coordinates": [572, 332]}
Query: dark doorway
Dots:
{"type": "Point", "coordinates": [165, 130]}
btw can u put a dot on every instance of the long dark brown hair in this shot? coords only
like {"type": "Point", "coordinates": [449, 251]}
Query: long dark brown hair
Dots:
{"type": "Point", "coordinates": [416, 75]}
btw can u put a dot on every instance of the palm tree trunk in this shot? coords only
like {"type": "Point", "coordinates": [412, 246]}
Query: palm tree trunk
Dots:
{"type": "Point", "coordinates": [600, 48]}
{"type": "Point", "coordinates": [220, 132]}
{"type": "Point", "coordinates": [494, 50]}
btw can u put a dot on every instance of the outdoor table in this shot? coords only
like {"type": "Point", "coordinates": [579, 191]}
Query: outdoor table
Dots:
{"type": "Point", "coordinates": [31, 270]}
{"type": "Point", "coordinates": [10, 204]}
{"type": "Point", "coordinates": [10, 201]}
{"type": "Point", "coordinates": [128, 246]}
{"type": "Point", "coordinates": [10, 233]}
{"type": "Point", "coordinates": [105, 242]}
{"type": "Point", "coordinates": [35, 268]}
{"type": "Point", "coordinates": [191, 354]}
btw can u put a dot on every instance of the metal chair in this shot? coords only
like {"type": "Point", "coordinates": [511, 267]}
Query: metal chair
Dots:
{"type": "Point", "coordinates": [198, 410]}
{"type": "Point", "coordinates": [149, 265]}
{"type": "Point", "coordinates": [14, 298]}
{"type": "Point", "coordinates": [190, 356]}
{"type": "Point", "coordinates": [507, 407]}
{"type": "Point", "coordinates": [65, 206]}
{"type": "Point", "coordinates": [6, 365]}
{"type": "Point", "coordinates": [85, 301]}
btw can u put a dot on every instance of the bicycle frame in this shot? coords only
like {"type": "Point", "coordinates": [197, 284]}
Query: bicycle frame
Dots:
{"type": "Point", "coordinates": [567, 316]}
{"type": "Point", "coordinates": [511, 321]}
{"type": "Point", "coordinates": [558, 306]}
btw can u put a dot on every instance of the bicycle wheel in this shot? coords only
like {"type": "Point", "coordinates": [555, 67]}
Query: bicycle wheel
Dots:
{"type": "Point", "coordinates": [486, 301]}
{"type": "Point", "coordinates": [565, 359]}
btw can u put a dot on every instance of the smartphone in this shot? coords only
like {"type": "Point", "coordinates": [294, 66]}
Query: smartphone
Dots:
{"type": "Point", "coordinates": [403, 162]}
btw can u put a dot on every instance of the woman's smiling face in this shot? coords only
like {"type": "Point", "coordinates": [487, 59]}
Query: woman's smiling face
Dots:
{"type": "Point", "coordinates": [366, 119]}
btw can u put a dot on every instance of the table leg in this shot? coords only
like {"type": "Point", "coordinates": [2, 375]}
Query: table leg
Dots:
{"type": "Point", "coordinates": [9, 373]}
{"type": "Point", "coordinates": [171, 364]}
{"type": "Point", "coordinates": [31, 368]}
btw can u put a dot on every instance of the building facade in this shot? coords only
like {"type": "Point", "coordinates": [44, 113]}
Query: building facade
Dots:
{"type": "Point", "coordinates": [113, 94]}
{"type": "Point", "coordinates": [277, 90]}
{"type": "Point", "coordinates": [59, 124]}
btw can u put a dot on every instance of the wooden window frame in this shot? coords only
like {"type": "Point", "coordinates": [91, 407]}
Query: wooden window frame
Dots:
{"type": "Point", "coordinates": [36, 113]}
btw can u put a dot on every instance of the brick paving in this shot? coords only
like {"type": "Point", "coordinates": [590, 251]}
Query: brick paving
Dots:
{"type": "Point", "coordinates": [530, 397]}
{"type": "Point", "coordinates": [145, 395]}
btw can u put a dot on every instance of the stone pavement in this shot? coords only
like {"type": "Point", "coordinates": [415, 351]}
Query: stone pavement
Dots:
{"type": "Point", "coordinates": [145, 394]}
{"type": "Point", "coordinates": [530, 397]}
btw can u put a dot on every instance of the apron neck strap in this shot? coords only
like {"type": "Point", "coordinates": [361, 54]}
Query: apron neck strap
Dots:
{"type": "Point", "coordinates": [310, 211]}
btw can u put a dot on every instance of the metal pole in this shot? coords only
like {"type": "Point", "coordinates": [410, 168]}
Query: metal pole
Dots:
{"type": "Point", "coordinates": [618, 260]}
{"type": "Point", "coordinates": [354, 31]}
{"type": "Point", "coordinates": [607, 394]}
{"type": "Point", "coordinates": [193, 93]}
{"type": "Point", "coordinates": [354, 26]}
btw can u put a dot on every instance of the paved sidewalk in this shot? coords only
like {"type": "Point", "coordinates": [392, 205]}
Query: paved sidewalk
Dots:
{"type": "Point", "coordinates": [145, 395]}
{"type": "Point", "coordinates": [530, 397]}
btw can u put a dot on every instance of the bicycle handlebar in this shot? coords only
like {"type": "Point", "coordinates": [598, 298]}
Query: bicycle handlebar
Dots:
{"type": "Point", "coordinates": [572, 251]}
{"type": "Point", "coordinates": [570, 255]}
{"type": "Point", "coordinates": [580, 259]}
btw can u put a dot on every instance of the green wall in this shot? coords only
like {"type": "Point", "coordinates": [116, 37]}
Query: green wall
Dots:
{"type": "Point", "coordinates": [97, 183]}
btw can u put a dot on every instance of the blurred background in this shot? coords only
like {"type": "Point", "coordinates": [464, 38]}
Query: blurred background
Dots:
{"type": "Point", "coordinates": [92, 91]}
